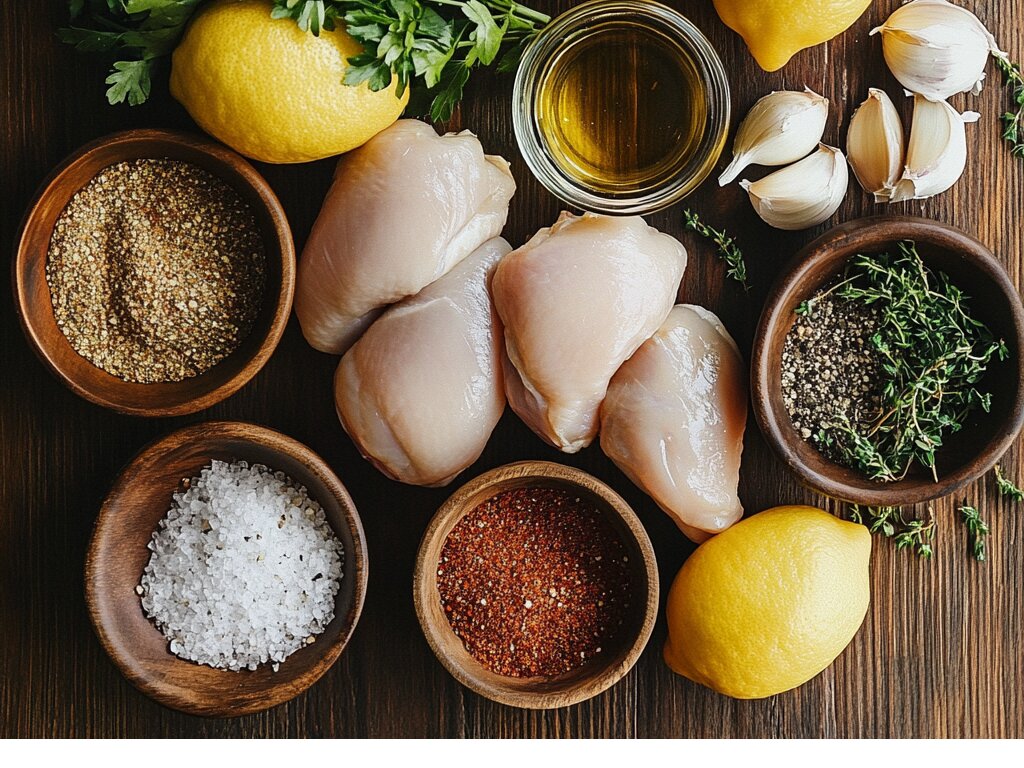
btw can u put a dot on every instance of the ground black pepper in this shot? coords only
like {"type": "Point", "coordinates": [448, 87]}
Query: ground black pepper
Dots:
{"type": "Point", "coordinates": [830, 369]}
{"type": "Point", "coordinates": [156, 270]}
{"type": "Point", "coordinates": [535, 582]}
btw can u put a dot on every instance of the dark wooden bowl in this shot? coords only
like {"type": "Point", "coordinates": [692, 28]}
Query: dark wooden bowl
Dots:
{"type": "Point", "coordinates": [32, 293]}
{"type": "Point", "coordinates": [993, 299]}
{"type": "Point", "coordinates": [117, 556]}
{"type": "Point", "coordinates": [538, 692]}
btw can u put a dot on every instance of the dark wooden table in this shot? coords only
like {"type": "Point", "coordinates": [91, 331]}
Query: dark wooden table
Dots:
{"type": "Point", "coordinates": [940, 653]}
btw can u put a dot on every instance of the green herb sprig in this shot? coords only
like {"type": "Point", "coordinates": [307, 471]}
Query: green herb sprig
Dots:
{"type": "Point", "coordinates": [432, 44]}
{"type": "Point", "coordinates": [934, 353]}
{"type": "Point", "coordinates": [977, 530]}
{"type": "Point", "coordinates": [1013, 120]}
{"type": "Point", "coordinates": [1006, 486]}
{"type": "Point", "coordinates": [726, 248]}
{"type": "Point", "coordinates": [914, 534]}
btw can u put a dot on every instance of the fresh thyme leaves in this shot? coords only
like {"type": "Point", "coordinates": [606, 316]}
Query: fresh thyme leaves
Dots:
{"type": "Point", "coordinates": [1013, 121]}
{"type": "Point", "coordinates": [934, 353]}
{"type": "Point", "coordinates": [913, 534]}
{"type": "Point", "coordinates": [977, 530]}
{"type": "Point", "coordinates": [727, 250]}
{"type": "Point", "coordinates": [432, 43]}
{"type": "Point", "coordinates": [1006, 486]}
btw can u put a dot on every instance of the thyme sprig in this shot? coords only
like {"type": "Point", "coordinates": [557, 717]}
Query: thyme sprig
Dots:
{"type": "Point", "coordinates": [912, 534]}
{"type": "Point", "coordinates": [1013, 120]}
{"type": "Point", "coordinates": [977, 530]}
{"type": "Point", "coordinates": [1007, 487]}
{"type": "Point", "coordinates": [934, 353]}
{"type": "Point", "coordinates": [726, 248]}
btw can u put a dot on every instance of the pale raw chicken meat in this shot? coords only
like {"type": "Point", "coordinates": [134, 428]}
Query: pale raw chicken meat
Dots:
{"type": "Point", "coordinates": [576, 301]}
{"type": "Point", "coordinates": [403, 209]}
{"type": "Point", "coordinates": [674, 417]}
{"type": "Point", "coordinates": [422, 390]}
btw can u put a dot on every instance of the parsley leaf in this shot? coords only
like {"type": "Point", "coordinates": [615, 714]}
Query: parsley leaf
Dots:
{"type": "Point", "coordinates": [129, 80]}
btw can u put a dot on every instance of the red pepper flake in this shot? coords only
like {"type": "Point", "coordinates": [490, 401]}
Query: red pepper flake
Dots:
{"type": "Point", "coordinates": [535, 582]}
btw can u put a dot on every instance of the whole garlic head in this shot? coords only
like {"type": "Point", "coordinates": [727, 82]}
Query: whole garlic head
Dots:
{"type": "Point", "coordinates": [936, 48]}
{"type": "Point", "coordinates": [937, 153]}
{"type": "Point", "coordinates": [803, 194]}
{"type": "Point", "coordinates": [875, 146]}
{"type": "Point", "coordinates": [780, 128]}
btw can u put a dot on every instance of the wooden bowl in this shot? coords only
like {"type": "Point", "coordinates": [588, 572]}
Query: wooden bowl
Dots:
{"type": "Point", "coordinates": [117, 556]}
{"type": "Point", "coordinates": [32, 293]}
{"type": "Point", "coordinates": [538, 692]}
{"type": "Point", "coordinates": [993, 299]}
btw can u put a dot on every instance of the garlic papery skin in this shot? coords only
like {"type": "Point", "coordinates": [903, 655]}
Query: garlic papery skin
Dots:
{"type": "Point", "coordinates": [875, 145]}
{"type": "Point", "coordinates": [937, 151]}
{"type": "Point", "coordinates": [936, 48]}
{"type": "Point", "coordinates": [804, 194]}
{"type": "Point", "coordinates": [780, 128]}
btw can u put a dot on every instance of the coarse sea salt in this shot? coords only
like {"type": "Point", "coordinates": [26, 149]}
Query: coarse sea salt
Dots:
{"type": "Point", "coordinates": [244, 568]}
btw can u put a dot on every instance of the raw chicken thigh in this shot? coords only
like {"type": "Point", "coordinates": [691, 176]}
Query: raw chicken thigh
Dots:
{"type": "Point", "coordinates": [404, 209]}
{"type": "Point", "coordinates": [576, 301]}
{"type": "Point", "coordinates": [673, 421]}
{"type": "Point", "coordinates": [422, 390]}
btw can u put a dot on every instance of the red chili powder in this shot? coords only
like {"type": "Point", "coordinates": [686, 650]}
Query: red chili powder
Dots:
{"type": "Point", "coordinates": [535, 582]}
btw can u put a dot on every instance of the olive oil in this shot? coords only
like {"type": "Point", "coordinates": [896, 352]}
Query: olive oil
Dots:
{"type": "Point", "coordinates": [621, 108]}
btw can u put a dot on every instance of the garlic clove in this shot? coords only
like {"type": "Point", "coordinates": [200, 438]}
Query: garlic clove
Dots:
{"type": "Point", "coordinates": [875, 145]}
{"type": "Point", "coordinates": [780, 128]}
{"type": "Point", "coordinates": [803, 194]}
{"type": "Point", "coordinates": [936, 48]}
{"type": "Point", "coordinates": [937, 152]}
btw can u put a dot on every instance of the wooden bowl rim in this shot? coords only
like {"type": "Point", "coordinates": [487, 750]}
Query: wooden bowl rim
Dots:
{"type": "Point", "coordinates": [772, 417]}
{"type": "Point", "coordinates": [282, 244]}
{"type": "Point", "coordinates": [356, 566]}
{"type": "Point", "coordinates": [425, 585]}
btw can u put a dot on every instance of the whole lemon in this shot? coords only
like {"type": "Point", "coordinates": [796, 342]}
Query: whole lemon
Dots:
{"type": "Point", "coordinates": [271, 91]}
{"type": "Point", "coordinates": [776, 29]}
{"type": "Point", "coordinates": [769, 603]}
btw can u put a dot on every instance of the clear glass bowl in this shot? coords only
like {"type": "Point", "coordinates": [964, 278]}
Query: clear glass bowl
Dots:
{"type": "Point", "coordinates": [685, 172]}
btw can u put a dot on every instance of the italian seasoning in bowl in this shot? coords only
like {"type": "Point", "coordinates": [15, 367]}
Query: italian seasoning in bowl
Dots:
{"type": "Point", "coordinates": [156, 270]}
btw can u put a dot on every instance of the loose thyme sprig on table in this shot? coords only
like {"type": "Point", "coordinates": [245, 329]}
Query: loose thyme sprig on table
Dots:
{"type": "Point", "coordinates": [977, 530]}
{"type": "Point", "coordinates": [1013, 121]}
{"type": "Point", "coordinates": [914, 534]}
{"type": "Point", "coordinates": [1006, 486]}
{"type": "Point", "coordinates": [433, 44]}
{"type": "Point", "coordinates": [934, 354]}
{"type": "Point", "coordinates": [727, 250]}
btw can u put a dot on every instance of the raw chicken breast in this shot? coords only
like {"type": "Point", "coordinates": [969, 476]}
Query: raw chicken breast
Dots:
{"type": "Point", "coordinates": [576, 301]}
{"type": "Point", "coordinates": [421, 391]}
{"type": "Point", "coordinates": [674, 417]}
{"type": "Point", "coordinates": [404, 209]}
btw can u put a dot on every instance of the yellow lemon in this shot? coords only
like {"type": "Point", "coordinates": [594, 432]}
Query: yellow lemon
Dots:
{"type": "Point", "coordinates": [271, 91]}
{"type": "Point", "coordinates": [776, 29]}
{"type": "Point", "coordinates": [769, 603]}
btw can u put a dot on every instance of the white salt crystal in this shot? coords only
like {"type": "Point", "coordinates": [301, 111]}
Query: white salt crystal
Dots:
{"type": "Point", "coordinates": [233, 579]}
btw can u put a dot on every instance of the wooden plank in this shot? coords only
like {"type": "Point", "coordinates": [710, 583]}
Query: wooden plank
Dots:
{"type": "Point", "coordinates": [940, 651]}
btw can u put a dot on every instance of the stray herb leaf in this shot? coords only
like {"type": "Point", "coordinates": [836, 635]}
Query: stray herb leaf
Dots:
{"type": "Point", "coordinates": [934, 353]}
{"type": "Point", "coordinates": [1013, 120]}
{"type": "Point", "coordinates": [727, 250]}
{"type": "Point", "coordinates": [1006, 487]}
{"type": "Point", "coordinates": [890, 522]}
{"type": "Point", "coordinates": [977, 530]}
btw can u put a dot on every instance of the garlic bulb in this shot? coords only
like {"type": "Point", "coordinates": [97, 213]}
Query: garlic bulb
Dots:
{"type": "Point", "coordinates": [936, 48]}
{"type": "Point", "coordinates": [874, 144]}
{"type": "Point", "coordinates": [803, 194]}
{"type": "Point", "coordinates": [780, 128]}
{"type": "Point", "coordinates": [937, 152]}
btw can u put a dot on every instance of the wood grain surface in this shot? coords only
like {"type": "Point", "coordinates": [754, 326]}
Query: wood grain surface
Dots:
{"type": "Point", "coordinates": [939, 654]}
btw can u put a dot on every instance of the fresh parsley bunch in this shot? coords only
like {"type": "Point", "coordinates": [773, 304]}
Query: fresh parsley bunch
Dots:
{"type": "Point", "coordinates": [430, 44]}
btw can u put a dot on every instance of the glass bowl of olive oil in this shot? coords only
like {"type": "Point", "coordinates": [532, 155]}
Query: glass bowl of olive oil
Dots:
{"type": "Point", "coordinates": [621, 106]}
